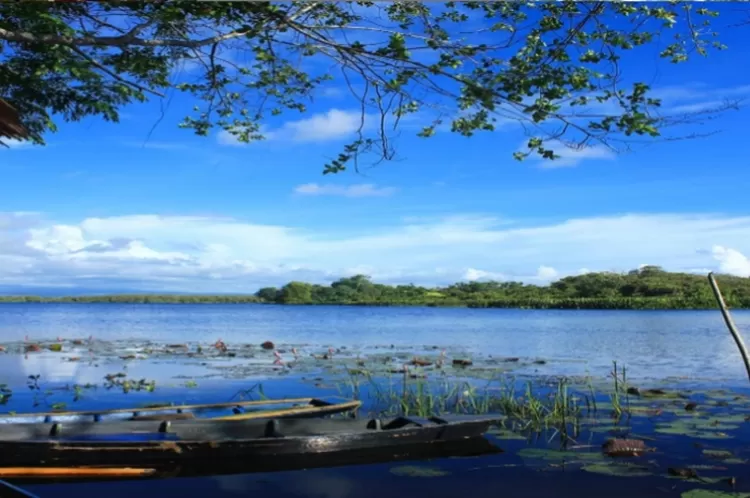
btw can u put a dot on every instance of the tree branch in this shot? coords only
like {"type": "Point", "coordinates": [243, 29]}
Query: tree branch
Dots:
{"type": "Point", "coordinates": [115, 41]}
{"type": "Point", "coordinates": [114, 75]}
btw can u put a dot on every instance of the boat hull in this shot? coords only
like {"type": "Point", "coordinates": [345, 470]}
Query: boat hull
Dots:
{"type": "Point", "coordinates": [184, 441]}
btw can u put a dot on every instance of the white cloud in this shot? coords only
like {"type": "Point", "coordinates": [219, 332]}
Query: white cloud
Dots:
{"type": "Point", "coordinates": [359, 190]}
{"type": "Point", "coordinates": [12, 143]}
{"type": "Point", "coordinates": [335, 124]}
{"type": "Point", "coordinates": [209, 254]}
{"type": "Point", "coordinates": [544, 274]}
{"type": "Point", "coordinates": [332, 125]}
{"type": "Point", "coordinates": [226, 138]}
{"type": "Point", "coordinates": [473, 275]}
{"type": "Point", "coordinates": [569, 156]}
{"type": "Point", "coordinates": [731, 261]}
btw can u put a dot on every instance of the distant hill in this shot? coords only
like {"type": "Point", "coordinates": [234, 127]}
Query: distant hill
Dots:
{"type": "Point", "coordinates": [649, 287]}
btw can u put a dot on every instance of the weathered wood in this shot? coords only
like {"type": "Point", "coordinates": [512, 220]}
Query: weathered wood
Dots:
{"type": "Point", "coordinates": [137, 442]}
{"type": "Point", "coordinates": [166, 416]}
{"type": "Point", "coordinates": [470, 447]}
{"type": "Point", "coordinates": [10, 123]}
{"type": "Point", "coordinates": [310, 406]}
{"type": "Point", "coordinates": [293, 412]}
{"type": "Point", "coordinates": [79, 472]}
{"type": "Point", "coordinates": [730, 322]}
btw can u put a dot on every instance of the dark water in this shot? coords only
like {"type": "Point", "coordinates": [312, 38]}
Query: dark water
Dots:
{"type": "Point", "coordinates": [692, 349]}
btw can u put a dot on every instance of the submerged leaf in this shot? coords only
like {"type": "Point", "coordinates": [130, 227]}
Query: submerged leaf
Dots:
{"type": "Point", "coordinates": [558, 456]}
{"type": "Point", "coordinates": [506, 434]}
{"type": "Point", "coordinates": [617, 469]}
{"type": "Point", "coordinates": [417, 471]}
{"type": "Point", "coordinates": [718, 454]}
{"type": "Point", "coordinates": [709, 493]}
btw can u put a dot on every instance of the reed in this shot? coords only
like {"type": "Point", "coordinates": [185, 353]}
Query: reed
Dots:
{"type": "Point", "coordinates": [529, 409]}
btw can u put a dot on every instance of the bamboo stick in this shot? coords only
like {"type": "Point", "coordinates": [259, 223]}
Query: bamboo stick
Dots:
{"type": "Point", "coordinates": [76, 472]}
{"type": "Point", "coordinates": [729, 322]}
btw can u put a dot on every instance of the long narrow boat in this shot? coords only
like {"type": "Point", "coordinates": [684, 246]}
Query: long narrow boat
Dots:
{"type": "Point", "coordinates": [236, 410]}
{"type": "Point", "coordinates": [134, 443]}
{"type": "Point", "coordinates": [471, 447]}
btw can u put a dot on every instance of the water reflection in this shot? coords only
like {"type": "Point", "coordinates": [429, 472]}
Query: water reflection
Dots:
{"type": "Point", "coordinates": [653, 344]}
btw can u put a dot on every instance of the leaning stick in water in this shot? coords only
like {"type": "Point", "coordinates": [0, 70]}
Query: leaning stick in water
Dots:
{"type": "Point", "coordinates": [730, 323]}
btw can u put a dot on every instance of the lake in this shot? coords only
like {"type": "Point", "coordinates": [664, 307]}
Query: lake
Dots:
{"type": "Point", "coordinates": [689, 349]}
{"type": "Point", "coordinates": [652, 344]}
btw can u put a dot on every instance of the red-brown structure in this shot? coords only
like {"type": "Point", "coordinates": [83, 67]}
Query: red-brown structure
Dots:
{"type": "Point", "coordinates": [10, 123]}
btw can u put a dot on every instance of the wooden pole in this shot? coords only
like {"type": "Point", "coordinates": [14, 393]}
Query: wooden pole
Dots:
{"type": "Point", "coordinates": [730, 323]}
{"type": "Point", "coordinates": [74, 472]}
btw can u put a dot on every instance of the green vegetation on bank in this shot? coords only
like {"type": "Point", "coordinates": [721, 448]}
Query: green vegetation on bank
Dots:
{"type": "Point", "coordinates": [647, 288]}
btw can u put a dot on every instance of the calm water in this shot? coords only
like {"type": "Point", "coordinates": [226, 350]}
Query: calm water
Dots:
{"type": "Point", "coordinates": [653, 344]}
{"type": "Point", "coordinates": [690, 345]}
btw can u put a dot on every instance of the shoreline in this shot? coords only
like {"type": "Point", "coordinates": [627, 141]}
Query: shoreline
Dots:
{"type": "Point", "coordinates": [572, 304]}
{"type": "Point", "coordinates": [647, 288]}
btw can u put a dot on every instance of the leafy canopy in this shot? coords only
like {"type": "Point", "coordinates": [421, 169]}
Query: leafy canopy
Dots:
{"type": "Point", "coordinates": [552, 67]}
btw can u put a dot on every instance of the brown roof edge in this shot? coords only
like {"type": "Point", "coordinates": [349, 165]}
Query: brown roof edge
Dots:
{"type": "Point", "coordinates": [10, 123]}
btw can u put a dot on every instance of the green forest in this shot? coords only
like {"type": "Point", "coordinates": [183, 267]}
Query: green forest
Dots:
{"type": "Point", "coordinates": [649, 287]}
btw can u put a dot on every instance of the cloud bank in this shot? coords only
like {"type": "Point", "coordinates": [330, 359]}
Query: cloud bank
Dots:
{"type": "Point", "coordinates": [209, 254]}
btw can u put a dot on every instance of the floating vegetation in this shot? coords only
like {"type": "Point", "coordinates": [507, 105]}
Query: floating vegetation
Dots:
{"type": "Point", "coordinates": [618, 469]}
{"type": "Point", "coordinates": [546, 422]}
{"type": "Point", "coordinates": [708, 493]}
{"type": "Point", "coordinates": [418, 471]}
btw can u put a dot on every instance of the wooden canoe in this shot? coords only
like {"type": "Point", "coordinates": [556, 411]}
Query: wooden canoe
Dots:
{"type": "Point", "coordinates": [471, 447]}
{"type": "Point", "coordinates": [136, 443]}
{"type": "Point", "coordinates": [242, 410]}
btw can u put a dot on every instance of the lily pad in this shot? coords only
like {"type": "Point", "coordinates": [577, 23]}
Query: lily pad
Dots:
{"type": "Point", "coordinates": [700, 428]}
{"type": "Point", "coordinates": [506, 434]}
{"type": "Point", "coordinates": [617, 469]}
{"type": "Point", "coordinates": [557, 456]}
{"type": "Point", "coordinates": [696, 477]}
{"type": "Point", "coordinates": [709, 493]}
{"type": "Point", "coordinates": [417, 471]}
{"type": "Point", "coordinates": [608, 428]}
{"type": "Point", "coordinates": [717, 454]}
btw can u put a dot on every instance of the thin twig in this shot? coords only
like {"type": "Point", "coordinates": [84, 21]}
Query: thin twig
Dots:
{"type": "Point", "coordinates": [729, 321]}
{"type": "Point", "coordinates": [114, 75]}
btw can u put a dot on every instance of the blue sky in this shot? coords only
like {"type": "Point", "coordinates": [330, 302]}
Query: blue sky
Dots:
{"type": "Point", "coordinates": [115, 206]}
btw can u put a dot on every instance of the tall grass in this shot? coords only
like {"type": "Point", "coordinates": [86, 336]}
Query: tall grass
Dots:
{"type": "Point", "coordinates": [528, 409]}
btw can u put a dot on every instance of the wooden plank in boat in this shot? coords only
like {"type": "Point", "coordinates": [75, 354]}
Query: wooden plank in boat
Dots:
{"type": "Point", "coordinates": [309, 405]}
{"type": "Point", "coordinates": [294, 412]}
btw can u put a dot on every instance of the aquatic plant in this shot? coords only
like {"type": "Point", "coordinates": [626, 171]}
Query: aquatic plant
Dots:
{"type": "Point", "coordinates": [413, 394]}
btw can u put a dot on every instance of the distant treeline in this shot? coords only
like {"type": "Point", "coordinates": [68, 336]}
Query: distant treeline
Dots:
{"type": "Point", "coordinates": [649, 287]}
